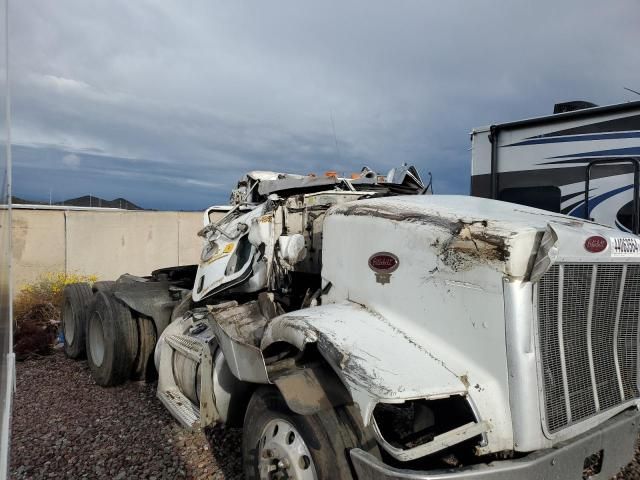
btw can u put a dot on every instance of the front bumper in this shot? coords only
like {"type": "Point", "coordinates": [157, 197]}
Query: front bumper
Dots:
{"type": "Point", "coordinates": [616, 438]}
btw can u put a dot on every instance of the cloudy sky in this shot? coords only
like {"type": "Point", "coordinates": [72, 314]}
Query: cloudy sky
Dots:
{"type": "Point", "coordinates": [168, 103]}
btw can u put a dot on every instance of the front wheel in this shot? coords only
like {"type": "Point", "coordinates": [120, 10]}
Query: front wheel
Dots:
{"type": "Point", "coordinates": [280, 444]}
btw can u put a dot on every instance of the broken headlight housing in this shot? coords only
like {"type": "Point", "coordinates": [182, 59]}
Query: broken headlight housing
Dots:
{"type": "Point", "coordinates": [420, 428]}
{"type": "Point", "coordinates": [209, 250]}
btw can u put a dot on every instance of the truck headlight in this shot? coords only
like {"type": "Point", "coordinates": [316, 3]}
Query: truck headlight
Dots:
{"type": "Point", "coordinates": [209, 250]}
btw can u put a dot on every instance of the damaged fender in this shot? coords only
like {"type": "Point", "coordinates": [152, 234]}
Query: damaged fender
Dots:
{"type": "Point", "coordinates": [152, 299]}
{"type": "Point", "coordinates": [238, 328]}
{"type": "Point", "coordinates": [374, 359]}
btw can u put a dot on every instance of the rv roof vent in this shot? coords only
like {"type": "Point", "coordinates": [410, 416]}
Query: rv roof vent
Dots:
{"type": "Point", "coordinates": [571, 106]}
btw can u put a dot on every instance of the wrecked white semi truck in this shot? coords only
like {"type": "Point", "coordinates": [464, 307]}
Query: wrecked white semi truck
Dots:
{"type": "Point", "coordinates": [357, 333]}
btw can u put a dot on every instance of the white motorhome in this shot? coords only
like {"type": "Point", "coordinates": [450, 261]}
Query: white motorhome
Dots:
{"type": "Point", "coordinates": [582, 161]}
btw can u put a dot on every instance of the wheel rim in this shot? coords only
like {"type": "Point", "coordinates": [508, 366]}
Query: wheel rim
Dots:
{"type": "Point", "coordinates": [96, 339]}
{"type": "Point", "coordinates": [69, 323]}
{"type": "Point", "coordinates": [283, 453]}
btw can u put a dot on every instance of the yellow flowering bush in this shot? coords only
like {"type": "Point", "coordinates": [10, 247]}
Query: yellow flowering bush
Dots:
{"type": "Point", "coordinates": [47, 288]}
{"type": "Point", "coordinates": [36, 310]}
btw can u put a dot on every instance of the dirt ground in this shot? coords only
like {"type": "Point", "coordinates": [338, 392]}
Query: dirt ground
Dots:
{"type": "Point", "coordinates": [66, 426]}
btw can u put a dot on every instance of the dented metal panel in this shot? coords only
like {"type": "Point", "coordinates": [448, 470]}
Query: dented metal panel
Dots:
{"type": "Point", "coordinates": [453, 254]}
{"type": "Point", "coordinates": [238, 329]}
{"type": "Point", "coordinates": [421, 298]}
{"type": "Point", "coordinates": [227, 256]}
{"type": "Point", "coordinates": [439, 442]}
{"type": "Point", "coordinates": [376, 360]}
{"type": "Point", "coordinates": [615, 438]}
{"type": "Point", "coordinates": [311, 389]}
{"type": "Point", "coordinates": [446, 295]}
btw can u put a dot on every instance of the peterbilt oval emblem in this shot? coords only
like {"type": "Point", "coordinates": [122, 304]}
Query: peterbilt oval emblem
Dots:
{"type": "Point", "coordinates": [595, 244]}
{"type": "Point", "coordinates": [383, 262]}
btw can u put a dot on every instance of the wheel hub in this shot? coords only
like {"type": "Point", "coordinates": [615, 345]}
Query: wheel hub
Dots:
{"type": "Point", "coordinates": [96, 339]}
{"type": "Point", "coordinates": [284, 453]}
{"type": "Point", "coordinates": [69, 325]}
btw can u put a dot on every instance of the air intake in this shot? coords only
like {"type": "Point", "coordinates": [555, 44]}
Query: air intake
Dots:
{"type": "Point", "coordinates": [572, 106]}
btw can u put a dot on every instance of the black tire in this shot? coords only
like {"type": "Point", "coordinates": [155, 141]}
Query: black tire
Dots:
{"type": "Point", "coordinates": [103, 286]}
{"type": "Point", "coordinates": [328, 435]}
{"type": "Point", "coordinates": [75, 299]}
{"type": "Point", "coordinates": [143, 366]}
{"type": "Point", "coordinates": [183, 307]}
{"type": "Point", "coordinates": [111, 339]}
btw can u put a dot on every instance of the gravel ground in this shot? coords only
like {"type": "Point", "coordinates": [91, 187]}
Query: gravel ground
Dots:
{"type": "Point", "coordinates": [632, 471]}
{"type": "Point", "coordinates": [66, 426]}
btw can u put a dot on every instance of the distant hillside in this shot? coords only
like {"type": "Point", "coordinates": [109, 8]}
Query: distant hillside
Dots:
{"type": "Point", "coordinates": [85, 201]}
{"type": "Point", "coordinates": [91, 201]}
{"type": "Point", "coordinates": [22, 201]}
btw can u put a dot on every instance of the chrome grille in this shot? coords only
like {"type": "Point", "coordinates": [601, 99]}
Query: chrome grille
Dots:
{"type": "Point", "coordinates": [588, 339]}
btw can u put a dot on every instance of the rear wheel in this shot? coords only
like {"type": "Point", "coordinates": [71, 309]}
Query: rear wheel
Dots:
{"type": "Point", "coordinates": [103, 286]}
{"type": "Point", "coordinates": [143, 367]}
{"type": "Point", "coordinates": [75, 300]}
{"type": "Point", "coordinates": [280, 444]}
{"type": "Point", "coordinates": [111, 340]}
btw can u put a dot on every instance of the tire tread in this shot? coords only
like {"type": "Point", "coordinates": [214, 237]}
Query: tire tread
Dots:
{"type": "Point", "coordinates": [79, 295]}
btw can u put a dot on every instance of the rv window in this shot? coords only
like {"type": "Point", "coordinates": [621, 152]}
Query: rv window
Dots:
{"type": "Point", "coordinates": [546, 198]}
{"type": "Point", "coordinates": [625, 216]}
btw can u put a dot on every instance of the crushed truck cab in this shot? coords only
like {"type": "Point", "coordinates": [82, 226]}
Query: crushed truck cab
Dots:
{"type": "Point", "coordinates": [408, 335]}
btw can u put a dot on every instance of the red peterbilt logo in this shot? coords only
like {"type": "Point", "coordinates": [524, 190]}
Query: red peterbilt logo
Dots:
{"type": "Point", "coordinates": [383, 262]}
{"type": "Point", "coordinates": [595, 244]}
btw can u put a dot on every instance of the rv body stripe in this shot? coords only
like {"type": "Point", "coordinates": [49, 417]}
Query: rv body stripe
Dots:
{"type": "Point", "coordinates": [583, 160]}
{"type": "Point", "coordinates": [566, 210]}
{"type": "Point", "coordinates": [555, 176]}
{"type": "Point", "coordinates": [595, 201]}
{"type": "Point", "coordinates": [622, 227]}
{"type": "Point", "coordinates": [614, 152]}
{"type": "Point", "coordinates": [579, 138]}
{"type": "Point", "coordinates": [623, 124]}
{"type": "Point", "coordinates": [569, 196]}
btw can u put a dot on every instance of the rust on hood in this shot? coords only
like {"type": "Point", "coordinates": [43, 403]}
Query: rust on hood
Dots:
{"type": "Point", "coordinates": [469, 242]}
{"type": "Point", "coordinates": [472, 243]}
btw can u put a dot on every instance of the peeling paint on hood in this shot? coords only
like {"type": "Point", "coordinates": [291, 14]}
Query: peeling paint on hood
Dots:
{"type": "Point", "coordinates": [474, 231]}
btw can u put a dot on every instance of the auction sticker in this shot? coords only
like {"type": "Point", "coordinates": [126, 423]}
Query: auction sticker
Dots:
{"type": "Point", "coordinates": [625, 247]}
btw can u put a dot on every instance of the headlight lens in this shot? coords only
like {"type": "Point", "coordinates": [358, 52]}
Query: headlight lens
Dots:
{"type": "Point", "coordinates": [209, 250]}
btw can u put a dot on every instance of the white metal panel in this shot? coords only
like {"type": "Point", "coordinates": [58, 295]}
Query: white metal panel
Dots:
{"type": "Point", "coordinates": [379, 360]}
{"type": "Point", "coordinates": [212, 273]}
{"type": "Point", "coordinates": [480, 152]}
{"type": "Point", "coordinates": [457, 316]}
{"type": "Point", "coordinates": [532, 157]}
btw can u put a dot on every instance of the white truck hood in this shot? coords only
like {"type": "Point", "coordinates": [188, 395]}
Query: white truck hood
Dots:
{"type": "Point", "coordinates": [505, 235]}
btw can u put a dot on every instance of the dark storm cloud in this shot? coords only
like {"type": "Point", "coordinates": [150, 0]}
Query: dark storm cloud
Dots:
{"type": "Point", "coordinates": [170, 102]}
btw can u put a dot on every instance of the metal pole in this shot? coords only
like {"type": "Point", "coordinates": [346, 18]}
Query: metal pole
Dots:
{"type": "Point", "coordinates": [635, 217]}
{"type": "Point", "coordinates": [586, 192]}
{"type": "Point", "coordinates": [636, 190]}
{"type": "Point", "coordinates": [493, 139]}
{"type": "Point", "coordinates": [7, 364]}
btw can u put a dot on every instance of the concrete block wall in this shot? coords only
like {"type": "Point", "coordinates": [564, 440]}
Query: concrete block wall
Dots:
{"type": "Point", "coordinates": [105, 243]}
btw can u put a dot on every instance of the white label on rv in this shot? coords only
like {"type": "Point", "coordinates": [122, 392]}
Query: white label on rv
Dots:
{"type": "Point", "coordinates": [625, 247]}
